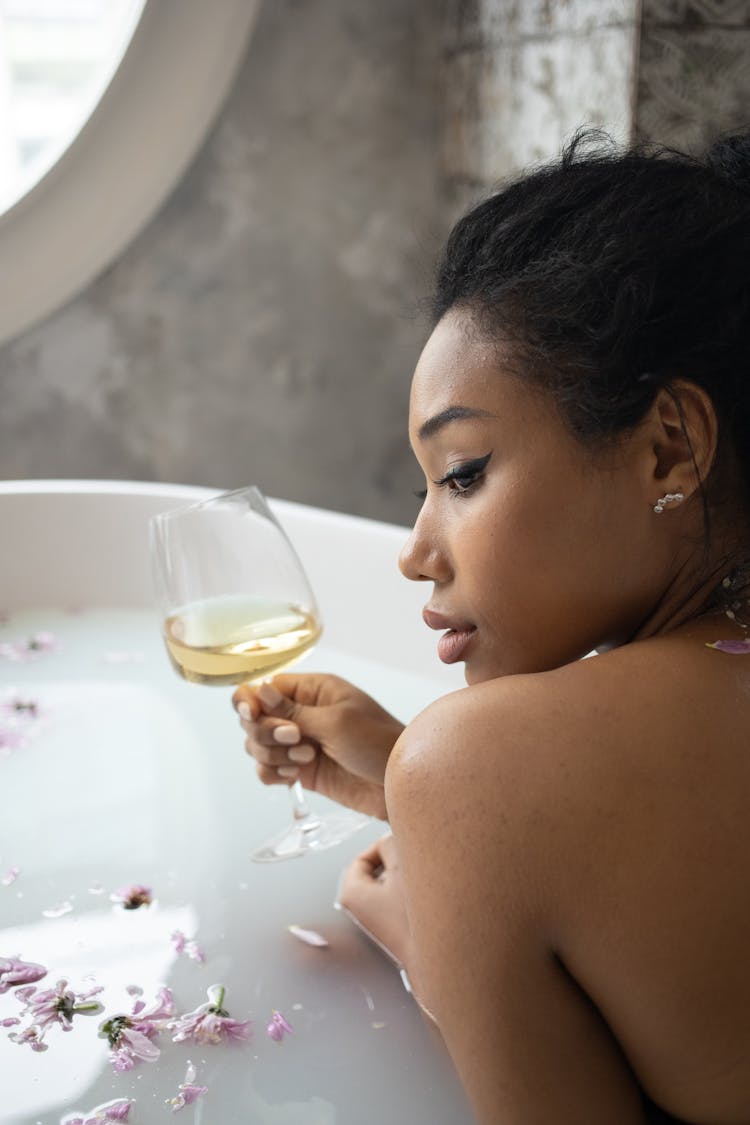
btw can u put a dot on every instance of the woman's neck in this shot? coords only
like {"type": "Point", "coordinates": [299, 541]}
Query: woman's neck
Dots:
{"type": "Point", "coordinates": [719, 588]}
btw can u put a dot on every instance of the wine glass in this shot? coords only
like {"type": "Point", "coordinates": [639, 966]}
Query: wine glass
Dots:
{"type": "Point", "coordinates": [237, 606]}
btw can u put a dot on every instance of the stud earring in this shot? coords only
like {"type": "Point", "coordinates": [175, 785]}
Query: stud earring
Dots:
{"type": "Point", "coordinates": [669, 498]}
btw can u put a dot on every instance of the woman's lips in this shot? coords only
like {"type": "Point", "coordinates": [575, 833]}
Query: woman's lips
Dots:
{"type": "Point", "coordinates": [452, 644]}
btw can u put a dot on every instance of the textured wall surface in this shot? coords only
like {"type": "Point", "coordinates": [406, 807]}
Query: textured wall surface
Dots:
{"type": "Point", "coordinates": [523, 75]}
{"type": "Point", "coordinates": [693, 75]}
{"type": "Point", "coordinates": [263, 327]}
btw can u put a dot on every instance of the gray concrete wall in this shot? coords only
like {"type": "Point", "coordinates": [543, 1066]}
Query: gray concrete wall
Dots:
{"type": "Point", "coordinates": [263, 328]}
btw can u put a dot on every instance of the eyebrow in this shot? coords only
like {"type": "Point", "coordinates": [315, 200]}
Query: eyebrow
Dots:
{"type": "Point", "coordinates": [445, 417]}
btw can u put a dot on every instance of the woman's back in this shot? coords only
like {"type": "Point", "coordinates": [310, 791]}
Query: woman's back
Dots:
{"type": "Point", "coordinates": [621, 785]}
{"type": "Point", "coordinates": [659, 926]}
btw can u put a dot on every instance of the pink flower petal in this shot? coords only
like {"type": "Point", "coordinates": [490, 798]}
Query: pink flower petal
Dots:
{"type": "Point", "coordinates": [187, 946]}
{"type": "Point", "coordinates": [11, 739]}
{"type": "Point", "coordinates": [14, 972]}
{"type": "Point", "coordinates": [278, 1027]}
{"type": "Point", "coordinates": [10, 876]}
{"type": "Point", "coordinates": [140, 1046]}
{"type": "Point", "coordinates": [736, 648]}
{"type": "Point", "coordinates": [310, 937]}
{"type": "Point", "coordinates": [117, 1110]}
{"type": "Point", "coordinates": [30, 1035]}
{"type": "Point", "coordinates": [189, 1092]}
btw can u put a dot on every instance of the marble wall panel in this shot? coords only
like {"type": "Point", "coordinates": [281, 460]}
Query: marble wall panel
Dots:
{"type": "Point", "coordinates": [697, 13]}
{"type": "Point", "coordinates": [513, 105]}
{"type": "Point", "coordinates": [499, 21]}
{"type": "Point", "coordinates": [693, 83]}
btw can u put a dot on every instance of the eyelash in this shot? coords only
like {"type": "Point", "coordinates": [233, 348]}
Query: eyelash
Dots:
{"type": "Point", "coordinates": [464, 477]}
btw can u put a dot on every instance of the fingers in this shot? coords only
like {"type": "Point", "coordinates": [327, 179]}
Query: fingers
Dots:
{"type": "Point", "coordinates": [285, 775]}
{"type": "Point", "coordinates": [276, 743]}
{"type": "Point", "coordinates": [301, 754]}
{"type": "Point", "coordinates": [374, 863]}
{"type": "Point", "coordinates": [252, 701]}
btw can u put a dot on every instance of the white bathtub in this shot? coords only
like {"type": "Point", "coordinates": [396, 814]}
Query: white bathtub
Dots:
{"type": "Point", "coordinates": [132, 775]}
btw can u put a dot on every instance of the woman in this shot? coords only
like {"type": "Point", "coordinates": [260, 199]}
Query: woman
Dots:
{"type": "Point", "coordinates": [568, 880]}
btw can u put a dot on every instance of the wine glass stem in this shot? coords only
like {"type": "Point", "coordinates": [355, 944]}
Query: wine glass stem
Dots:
{"type": "Point", "coordinates": [299, 804]}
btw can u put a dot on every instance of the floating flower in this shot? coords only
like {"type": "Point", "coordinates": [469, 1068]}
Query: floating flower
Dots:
{"type": "Point", "coordinates": [10, 876]}
{"type": "Point", "coordinates": [278, 1027]}
{"type": "Point", "coordinates": [131, 1038]}
{"type": "Point", "coordinates": [49, 1006]}
{"type": "Point", "coordinates": [736, 648]}
{"type": "Point", "coordinates": [25, 650]}
{"type": "Point", "coordinates": [189, 1092]}
{"type": "Point", "coordinates": [11, 738]}
{"type": "Point", "coordinates": [117, 1110]}
{"type": "Point", "coordinates": [133, 896]}
{"type": "Point", "coordinates": [14, 972]}
{"type": "Point", "coordinates": [188, 946]}
{"type": "Point", "coordinates": [210, 1023]}
{"type": "Point", "coordinates": [32, 1036]}
{"type": "Point", "coordinates": [18, 708]}
{"type": "Point", "coordinates": [310, 937]}
{"type": "Point", "coordinates": [19, 720]}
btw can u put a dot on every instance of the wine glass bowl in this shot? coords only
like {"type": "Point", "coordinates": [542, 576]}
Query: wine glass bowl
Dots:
{"type": "Point", "coordinates": [236, 606]}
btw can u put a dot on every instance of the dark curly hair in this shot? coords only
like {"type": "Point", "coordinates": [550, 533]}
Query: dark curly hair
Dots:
{"type": "Point", "coordinates": [612, 274]}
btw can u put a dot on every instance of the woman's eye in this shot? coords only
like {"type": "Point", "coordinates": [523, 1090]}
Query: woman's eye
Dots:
{"type": "Point", "coordinates": [462, 478]}
{"type": "Point", "coordinates": [461, 483]}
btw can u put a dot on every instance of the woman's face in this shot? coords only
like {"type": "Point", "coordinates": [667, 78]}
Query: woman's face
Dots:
{"type": "Point", "coordinates": [538, 550]}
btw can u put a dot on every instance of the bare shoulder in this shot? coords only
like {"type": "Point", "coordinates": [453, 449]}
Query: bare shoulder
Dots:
{"type": "Point", "coordinates": [656, 705]}
{"type": "Point", "coordinates": [646, 741]}
{"type": "Point", "coordinates": [608, 801]}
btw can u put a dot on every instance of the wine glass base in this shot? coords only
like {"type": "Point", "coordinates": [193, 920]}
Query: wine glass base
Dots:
{"type": "Point", "coordinates": [310, 834]}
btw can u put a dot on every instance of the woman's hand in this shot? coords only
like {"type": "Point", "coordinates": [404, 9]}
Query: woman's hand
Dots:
{"type": "Point", "coordinates": [372, 893]}
{"type": "Point", "coordinates": [323, 731]}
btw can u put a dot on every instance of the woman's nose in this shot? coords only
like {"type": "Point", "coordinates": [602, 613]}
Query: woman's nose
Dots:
{"type": "Point", "coordinates": [421, 558]}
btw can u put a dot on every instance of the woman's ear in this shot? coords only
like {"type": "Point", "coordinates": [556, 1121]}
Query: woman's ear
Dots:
{"type": "Point", "coordinates": [684, 432]}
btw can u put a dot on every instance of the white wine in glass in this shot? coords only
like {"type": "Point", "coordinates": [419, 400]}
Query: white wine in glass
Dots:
{"type": "Point", "coordinates": [237, 606]}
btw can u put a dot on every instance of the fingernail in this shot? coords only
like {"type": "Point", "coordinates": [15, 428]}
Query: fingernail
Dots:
{"type": "Point", "coordinates": [287, 771]}
{"type": "Point", "coordinates": [301, 754]}
{"type": "Point", "coordinates": [269, 695]}
{"type": "Point", "coordinates": [243, 710]}
{"type": "Point", "coordinates": [286, 735]}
